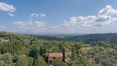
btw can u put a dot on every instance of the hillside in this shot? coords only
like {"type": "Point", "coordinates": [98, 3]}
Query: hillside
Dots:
{"type": "Point", "coordinates": [96, 37]}
{"type": "Point", "coordinates": [33, 50]}
{"type": "Point", "coordinates": [112, 37]}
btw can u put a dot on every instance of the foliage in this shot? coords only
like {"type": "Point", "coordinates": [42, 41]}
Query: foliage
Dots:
{"type": "Point", "coordinates": [33, 50]}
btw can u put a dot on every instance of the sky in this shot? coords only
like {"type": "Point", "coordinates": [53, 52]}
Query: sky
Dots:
{"type": "Point", "coordinates": [58, 16]}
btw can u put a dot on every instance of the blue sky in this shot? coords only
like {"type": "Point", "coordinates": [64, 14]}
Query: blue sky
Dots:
{"type": "Point", "coordinates": [58, 16]}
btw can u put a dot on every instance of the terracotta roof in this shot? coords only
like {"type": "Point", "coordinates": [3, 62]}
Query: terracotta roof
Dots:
{"type": "Point", "coordinates": [56, 55]}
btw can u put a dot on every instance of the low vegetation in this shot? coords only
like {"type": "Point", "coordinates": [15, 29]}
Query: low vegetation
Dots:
{"type": "Point", "coordinates": [32, 50]}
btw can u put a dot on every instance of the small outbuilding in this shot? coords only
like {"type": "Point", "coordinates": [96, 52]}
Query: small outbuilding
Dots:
{"type": "Point", "coordinates": [53, 56]}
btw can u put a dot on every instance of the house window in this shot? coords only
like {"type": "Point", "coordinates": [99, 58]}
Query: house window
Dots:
{"type": "Point", "coordinates": [53, 57]}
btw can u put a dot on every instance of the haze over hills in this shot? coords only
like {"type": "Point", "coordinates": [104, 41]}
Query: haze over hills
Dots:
{"type": "Point", "coordinates": [80, 37]}
{"type": "Point", "coordinates": [84, 37]}
{"type": "Point", "coordinates": [58, 32]}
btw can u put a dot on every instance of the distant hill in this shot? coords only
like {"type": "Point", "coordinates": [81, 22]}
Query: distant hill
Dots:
{"type": "Point", "coordinates": [87, 37]}
{"type": "Point", "coordinates": [112, 37]}
{"type": "Point", "coordinates": [95, 37]}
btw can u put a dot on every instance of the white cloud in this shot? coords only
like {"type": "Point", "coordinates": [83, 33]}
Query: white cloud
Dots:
{"type": "Point", "coordinates": [108, 11]}
{"type": "Point", "coordinates": [103, 22]}
{"type": "Point", "coordinates": [32, 26]}
{"type": "Point", "coordinates": [38, 15]}
{"type": "Point", "coordinates": [2, 28]}
{"type": "Point", "coordinates": [11, 14]}
{"type": "Point", "coordinates": [81, 20]}
{"type": "Point", "coordinates": [7, 8]}
{"type": "Point", "coordinates": [77, 24]}
{"type": "Point", "coordinates": [105, 17]}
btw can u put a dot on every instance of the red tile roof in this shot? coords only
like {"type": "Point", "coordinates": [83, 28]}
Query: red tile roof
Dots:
{"type": "Point", "coordinates": [56, 55]}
